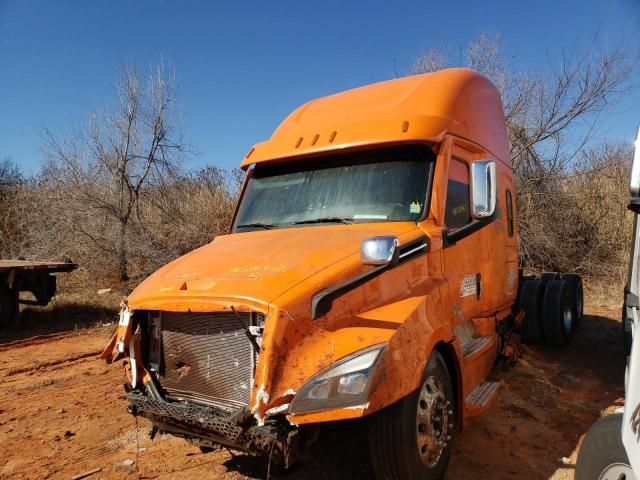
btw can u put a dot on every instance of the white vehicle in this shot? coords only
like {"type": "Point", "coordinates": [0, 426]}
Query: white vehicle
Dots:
{"type": "Point", "coordinates": [611, 447]}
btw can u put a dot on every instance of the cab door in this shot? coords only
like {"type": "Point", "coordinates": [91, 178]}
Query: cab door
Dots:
{"type": "Point", "coordinates": [466, 258]}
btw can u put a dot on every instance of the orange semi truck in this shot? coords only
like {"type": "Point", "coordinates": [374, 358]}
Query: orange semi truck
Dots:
{"type": "Point", "coordinates": [371, 271]}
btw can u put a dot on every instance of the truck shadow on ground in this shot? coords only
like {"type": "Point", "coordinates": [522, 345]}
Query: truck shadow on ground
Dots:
{"type": "Point", "coordinates": [57, 319]}
{"type": "Point", "coordinates": [549, 400]}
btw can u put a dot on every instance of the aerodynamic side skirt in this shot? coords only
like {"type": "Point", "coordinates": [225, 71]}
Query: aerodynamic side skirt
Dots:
{"type": "Point", "coordinates": [322, 302]}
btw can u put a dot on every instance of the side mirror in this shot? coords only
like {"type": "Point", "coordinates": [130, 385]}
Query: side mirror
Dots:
{"type": "Point", "coordinates": [634, 183]}
{"type": "Point", "coordinates": [483, 188]}
{"type": "Point", "coordinates": [378, 250]}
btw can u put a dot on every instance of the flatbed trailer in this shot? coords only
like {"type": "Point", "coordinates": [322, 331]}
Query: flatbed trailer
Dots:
{"type": "Point", "coordinates": [27, 276]}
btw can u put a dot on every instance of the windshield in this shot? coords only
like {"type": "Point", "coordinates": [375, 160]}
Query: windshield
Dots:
{"type": "Point", "coordinates": [388, 186]}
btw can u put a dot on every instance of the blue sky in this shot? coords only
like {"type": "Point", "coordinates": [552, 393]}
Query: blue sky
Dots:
{"type": "Point", "coordinates": [242, 66]}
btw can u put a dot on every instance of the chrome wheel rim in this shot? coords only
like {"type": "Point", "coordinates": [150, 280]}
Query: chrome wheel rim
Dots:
{"type": "Point", "coordinates": [617, 471]}
{"type": "Point", "coordinates": [433, 421]}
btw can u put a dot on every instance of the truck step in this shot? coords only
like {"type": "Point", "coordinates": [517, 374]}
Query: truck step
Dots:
{"type": "Point", "coordinates": [474, 345]}
{"type": "Point", "coordinates": [482, 396]}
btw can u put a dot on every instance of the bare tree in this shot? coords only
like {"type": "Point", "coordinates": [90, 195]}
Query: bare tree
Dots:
{"type": "Point", "coordinates": [122, 151]}
{"type": "Point", "coordinates": [10, 177]}
{"type": "Point", "coordinates": [551, 117]}
{"type": "Point", "coordinates": [10, 172]}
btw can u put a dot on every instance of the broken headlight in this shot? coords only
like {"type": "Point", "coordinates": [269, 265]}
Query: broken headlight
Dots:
{"type": "Point", "coordinates": [343, 384]}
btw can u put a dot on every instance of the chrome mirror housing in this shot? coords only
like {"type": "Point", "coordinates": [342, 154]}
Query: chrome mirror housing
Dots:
{"type": "Point", "coordinates": [483, 188]}
{"type": "Point", "coordinates": [378, 250]}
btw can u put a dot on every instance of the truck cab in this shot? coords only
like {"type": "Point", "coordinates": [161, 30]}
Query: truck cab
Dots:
{"type": "Point", "coordinates": [371, 271]}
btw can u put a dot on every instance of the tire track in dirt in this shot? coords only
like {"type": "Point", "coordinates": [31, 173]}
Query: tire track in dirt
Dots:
{"type": "Point", "coordinates": [63, 362]}
{"type": "Point", "coordinates": [36, 340]}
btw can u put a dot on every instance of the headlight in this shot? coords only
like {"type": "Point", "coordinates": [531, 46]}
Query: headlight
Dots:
{"type": "Point", "coordinates": [343, 384]}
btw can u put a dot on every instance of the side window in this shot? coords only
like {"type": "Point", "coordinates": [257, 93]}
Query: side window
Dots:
{"type": "Point", "coordinates": [457, 211]}
{"type": "Point", "coordinates": [510, 225]}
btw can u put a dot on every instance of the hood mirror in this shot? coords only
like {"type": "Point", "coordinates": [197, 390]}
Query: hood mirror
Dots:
{"type": "Point", "coordinates": [483, 188]}
{"type": "Point", "coordinates": [381, 250]}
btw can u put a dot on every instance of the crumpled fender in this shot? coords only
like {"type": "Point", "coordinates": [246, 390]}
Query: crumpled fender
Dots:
{"type": "Point", "coordinates": [118, 344]}
{"type": "Point", "coordinates": [126, 344]}
{"type": "Point", "coordinates": [400, 367]}
{"type": "Point", "coordinates": [414, 326]}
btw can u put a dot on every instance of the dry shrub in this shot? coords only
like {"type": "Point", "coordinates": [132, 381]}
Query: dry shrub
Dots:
{"type": "Point", "coordinates": [44, 220]}
{"type": "Point", "coordinates": [578, 221]}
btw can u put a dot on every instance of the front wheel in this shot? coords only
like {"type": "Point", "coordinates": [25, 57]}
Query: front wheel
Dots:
{"type": "Point", "coordinates": [411, 439]}
{"type": "Point", "coordinates": [602, 455]}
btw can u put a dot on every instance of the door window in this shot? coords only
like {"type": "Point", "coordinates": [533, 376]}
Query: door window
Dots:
{"type": "Point", "coordinates": [510, 225]}
{"type": "Point", "coordinates": [457, 209]}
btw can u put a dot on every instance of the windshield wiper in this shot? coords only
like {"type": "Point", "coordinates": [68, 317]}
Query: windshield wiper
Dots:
{"type": "Point", "coordinates": [326, 220]}
{"type": "Point", "coordinates": [266, 226]}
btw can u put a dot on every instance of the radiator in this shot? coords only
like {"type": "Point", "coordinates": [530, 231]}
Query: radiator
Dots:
{"type": "Point", "coordinates": [206, 357]}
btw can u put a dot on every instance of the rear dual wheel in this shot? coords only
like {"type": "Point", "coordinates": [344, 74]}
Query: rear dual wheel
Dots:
{"type": "Point", "coordinates": [553, 305]}
{"type": "Point", "coordinates": [411, 439]}
{"type": "Point", "coordinates": [531, 301]}
{"type": "Point", "coordinates": [558, 313]}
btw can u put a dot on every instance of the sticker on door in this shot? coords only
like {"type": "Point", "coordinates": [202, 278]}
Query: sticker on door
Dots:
{"type": "Point", "coordinates": [468, 286]}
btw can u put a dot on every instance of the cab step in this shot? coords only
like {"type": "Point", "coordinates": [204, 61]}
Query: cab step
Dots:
{"type": "Point", "coordinates": [474, 345]}
{"type": "Point", "coordinates": [481, 399]}
{"type": "Point", "coordinates": [470, 344]}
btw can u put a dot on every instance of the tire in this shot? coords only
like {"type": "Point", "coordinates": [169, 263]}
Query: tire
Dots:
{"type": "Point", "coordinates": [398, 433]}
{"type": "Point", "coordinates": [7, 307]}
{"type": "Point", "coordinates": [548, 276]}
{"type": "Point", "coordinates": [557, 311]}
{"type": "Point", "coordinates": [575, 283]}
{"type": "Point", "coordinates": [602, 455]}
{"type": "Point", "coordinates": [531, 301]}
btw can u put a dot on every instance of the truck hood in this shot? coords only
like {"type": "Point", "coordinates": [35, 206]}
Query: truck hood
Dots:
{"type": "Point", "coordinates": [253, 267]}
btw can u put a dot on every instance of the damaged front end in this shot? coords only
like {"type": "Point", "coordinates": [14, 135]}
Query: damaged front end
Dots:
{"type": "Point", "coordinates": [191, 375]}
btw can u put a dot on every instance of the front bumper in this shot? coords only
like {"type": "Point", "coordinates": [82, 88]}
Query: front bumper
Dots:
{"type": "Point", "coordinates": [206, 425]}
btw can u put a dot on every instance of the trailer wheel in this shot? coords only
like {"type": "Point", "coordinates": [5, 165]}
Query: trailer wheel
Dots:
{"type": "Point", "coordinates": [602, 455]}
{"type": "Point", "coordinates": [557, 311]}
{"type": "Point", "coordinates": [575, 283]}
{"type": "Point", "coordinates": [7, 307]}
{"type": "Point", "coordinates": [411, 439]}
{"type": "Point", "coordinates": [531, 301]}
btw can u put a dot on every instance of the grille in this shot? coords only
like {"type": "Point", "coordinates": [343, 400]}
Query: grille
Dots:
{"type": "Point", "coordinates": [207, 357]}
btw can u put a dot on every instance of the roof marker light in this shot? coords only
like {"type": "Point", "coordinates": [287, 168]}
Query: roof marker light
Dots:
{"type": "Point", "coordinates": [333, 136]}
{"type": "Point", "coordinates": [405, 126]}
{"type": "Point", "coordinates": [298, 142]}
{"type": "Point", "coordinates": [315, 139]}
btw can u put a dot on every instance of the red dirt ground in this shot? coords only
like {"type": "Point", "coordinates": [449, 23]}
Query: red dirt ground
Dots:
{"type": "Point", "coordinates": [62, 413]}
